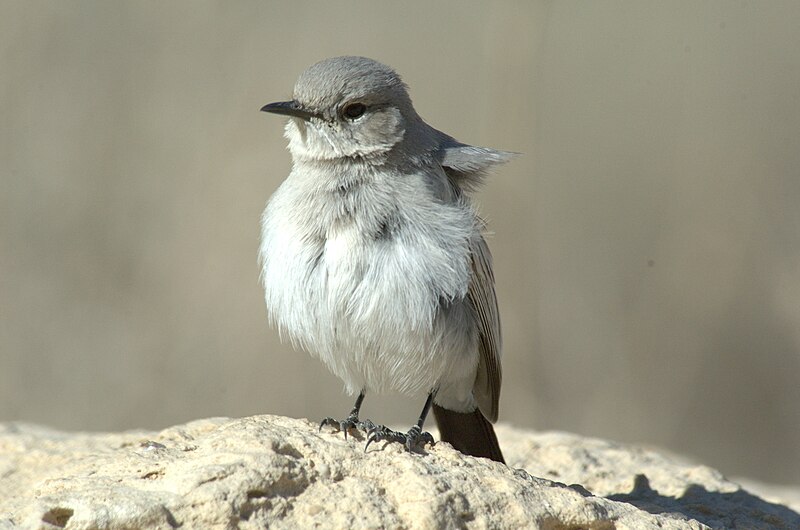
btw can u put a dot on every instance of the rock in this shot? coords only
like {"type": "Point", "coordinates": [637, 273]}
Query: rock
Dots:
{"type": "Point", "coordinates": [277, 472]}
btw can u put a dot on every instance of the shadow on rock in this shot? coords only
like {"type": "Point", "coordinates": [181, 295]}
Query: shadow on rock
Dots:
{"type": "Point", "coordinates": [715, 509]}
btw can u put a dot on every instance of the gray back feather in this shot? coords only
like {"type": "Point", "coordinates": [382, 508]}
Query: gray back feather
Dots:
{"type": "Point", "coordinates": [466, 164]}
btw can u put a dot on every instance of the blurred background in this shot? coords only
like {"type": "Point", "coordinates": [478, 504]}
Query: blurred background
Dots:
{"type": "Point", "coordinates": [646, 243]}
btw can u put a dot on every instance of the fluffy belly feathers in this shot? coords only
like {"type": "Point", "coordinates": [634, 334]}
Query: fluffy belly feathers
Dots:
{"type": "Point", "coordinates": [383, 313]}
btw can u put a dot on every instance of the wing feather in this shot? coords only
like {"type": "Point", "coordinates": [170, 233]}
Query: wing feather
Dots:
{"type": "Point", "coordinates": [482, 296]}
{"type": "Point", "coordinates": [465, 166]}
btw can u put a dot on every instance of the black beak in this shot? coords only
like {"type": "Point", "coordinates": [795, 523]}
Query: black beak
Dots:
{"type": "Point", "coordinates": [289, 108]}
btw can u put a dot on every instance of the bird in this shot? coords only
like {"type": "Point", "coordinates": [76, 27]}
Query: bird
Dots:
{"type": "Point", "coordinates": [373, 258]}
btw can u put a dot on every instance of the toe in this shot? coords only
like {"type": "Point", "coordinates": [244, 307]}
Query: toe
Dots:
{"type": "Point", "coordinates": [328, 421]}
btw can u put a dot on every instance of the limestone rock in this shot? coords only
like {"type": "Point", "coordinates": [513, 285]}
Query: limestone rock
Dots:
{"type": "Point", "coordinates": [277, 472]}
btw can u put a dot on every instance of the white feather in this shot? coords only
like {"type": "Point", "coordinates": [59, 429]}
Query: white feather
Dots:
{"type": "Point", "coordinates": [367, 306]}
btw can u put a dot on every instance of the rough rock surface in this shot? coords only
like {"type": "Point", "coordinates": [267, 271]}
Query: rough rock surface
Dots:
{"type": "Point", "coordinates": [277, 472]}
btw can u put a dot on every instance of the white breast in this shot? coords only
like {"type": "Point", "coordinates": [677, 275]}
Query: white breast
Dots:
{"type": "Point", "coordinates": [339, 246]}
{"type": "Point", "coordinates": [371, 307]}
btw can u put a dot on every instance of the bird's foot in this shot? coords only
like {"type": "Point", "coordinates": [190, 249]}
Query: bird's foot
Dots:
{"type": "Point", "coordinates": [413, 439]}
{"type": "Point", "coordinates": [351, 423]}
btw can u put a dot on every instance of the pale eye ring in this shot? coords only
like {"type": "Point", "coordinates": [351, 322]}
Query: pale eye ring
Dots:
{"type": "Point", "coordinates": [353, 111]}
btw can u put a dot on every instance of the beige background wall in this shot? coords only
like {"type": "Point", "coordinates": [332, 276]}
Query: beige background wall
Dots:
{"type": "Point", "coordinates": [647, 243]}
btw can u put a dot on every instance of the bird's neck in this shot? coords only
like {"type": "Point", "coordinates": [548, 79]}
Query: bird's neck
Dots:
{"type": "Point", "coordinates": [330, 175]}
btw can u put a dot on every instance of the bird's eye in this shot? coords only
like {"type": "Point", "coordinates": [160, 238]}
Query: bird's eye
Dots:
{"type": "Point", "coordinates": [354, 111]}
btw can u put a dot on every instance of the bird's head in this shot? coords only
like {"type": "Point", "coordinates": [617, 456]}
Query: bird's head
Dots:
{"type": "Point", "coordinates": [346, 107]}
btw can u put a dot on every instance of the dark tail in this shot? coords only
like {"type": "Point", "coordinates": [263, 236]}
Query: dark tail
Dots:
{"type": "Point", "coordinates": [469, 432]}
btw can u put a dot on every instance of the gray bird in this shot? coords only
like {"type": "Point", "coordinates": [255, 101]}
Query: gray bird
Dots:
{"type": "Point", "coordinates": [372, 256]}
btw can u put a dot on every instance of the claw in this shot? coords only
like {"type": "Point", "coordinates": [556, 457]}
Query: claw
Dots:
{"type": "Point", "coordinates": [411, 440]}
{"type": "Point", "coordinates": [327, 421]}
{"type": "Point", "coordinates": [351, 422]}
{"type": "Point", "coordinates": [366, 426]}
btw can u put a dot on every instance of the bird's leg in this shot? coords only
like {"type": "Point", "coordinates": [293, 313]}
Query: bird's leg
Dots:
{"type": "Point", "coordinates": [414, 438]}
{"type": "Point", "coordinates": [351, 422]}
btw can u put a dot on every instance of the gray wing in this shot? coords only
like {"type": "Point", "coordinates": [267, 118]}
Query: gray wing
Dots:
{"type": "Point", "coordinates": [484, 302]}
{"type": "Point", "coordinates": [468, 164]}
{"type": "Point", "coordinates": [465, 166]}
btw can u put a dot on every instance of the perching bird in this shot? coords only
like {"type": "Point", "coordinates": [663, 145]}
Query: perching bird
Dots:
{"type": "Point", "coordinates": [372, 255]}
